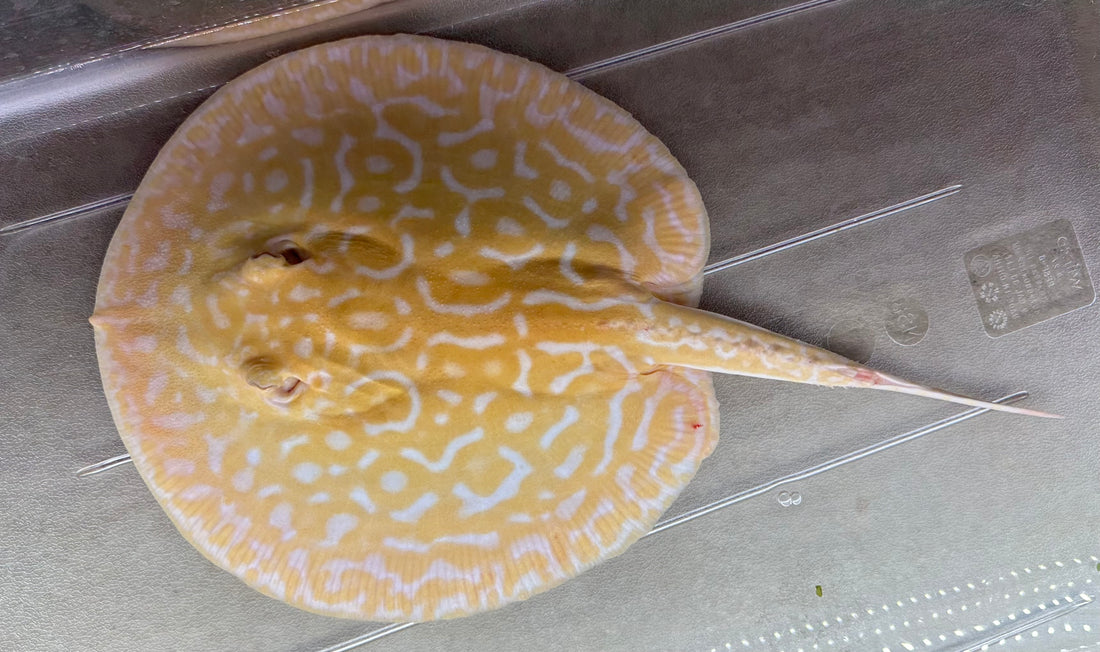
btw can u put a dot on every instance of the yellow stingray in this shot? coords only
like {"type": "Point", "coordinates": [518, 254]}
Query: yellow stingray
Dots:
{"type": "Point", "coordinates": [398, 328]}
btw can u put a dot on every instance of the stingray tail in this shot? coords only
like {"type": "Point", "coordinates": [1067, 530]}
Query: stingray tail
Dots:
{"type": "Point", "coordinates": [866, 377]}
{"type": "Point", "coordinates": [688, 337]}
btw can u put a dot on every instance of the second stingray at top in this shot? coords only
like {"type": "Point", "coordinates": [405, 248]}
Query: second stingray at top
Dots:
{"type": "Point", "coordinates": [399, 329]}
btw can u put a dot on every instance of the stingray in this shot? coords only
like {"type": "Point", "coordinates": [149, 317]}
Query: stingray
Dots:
{"type": "Point", "coordinates": [402, 329]}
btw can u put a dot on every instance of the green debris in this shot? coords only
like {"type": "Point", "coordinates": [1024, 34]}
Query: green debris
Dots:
{"type": "Point", "coordinates": [817, 588]}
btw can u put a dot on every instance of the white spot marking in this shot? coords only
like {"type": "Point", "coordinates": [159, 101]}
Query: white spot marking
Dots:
{"type": "Point", "coordinates": [598, 233]}
{"type": "Point", "coordinates": [368, 458]}
{"type": "Point", "coordinates": [394, 481]}
{"type": "Point", "coordinates": [379, 164]}
{"type": "Point", "coordinates": [514, 261]}
{"type": "Point", "coordinates": [358, 350]}
{"type": "Point", "coordinates": [306, 472]}
{"type": "Point", "coordinates": [336, 527]}
{"type": "Point", "coordinates": [312, 136]}
{"type": "Point", "coordinates": [449, 397]}
{"type": "Point", "coordinates": [276, 180]}
{"type": "Point", "coordinates": [564, 162]}
{"type": "Point", "coordinates": [302, 293]}
{"type": "Point", "coordinates": [456, 444]}
{"type": "Point", "coordinates": [157, 384]}
{"type": "Point", "coordinates": [571, 463]}
{"type": "Point", "coordinates": [219, 317]}
{"type": "Point", "coordinates": [368, 204]}
{"type": "Point", "coordinates": [410, 212]}
{"type": "Point", "coordinates": [552, 222]}
{"type": "Point", "coordinates": [338, 440]}
{"type": "Point", "coordinates": [523, 170]}
{"type": "Point", "coordinates": [413, 513]}
{"type": "Point", "coordinates": [280, 520]}
{"type": "Point", "coordinates": [508, 226]}
{"type": "Point", "coordinates": [307, 183]}
{"type": "Point", "coordinates": [269, 490]}
{"type": "Point", "coordinates": [371, 321]}
{"type": "Point", "coordinates": [360, 496]}
{"type": "Point", "coordinates": [521, 385]}
{"type": "Point", "coordinates": [465, 310]}
{"type": "Point", "coordinates": [615, 424]}
{"type": "Point", "coordinates": [347, 180]}
{"type": "Point", "coordinates": [242, 480]}
{"type": "Point", "coordinates": [469, 278]}
{"type": "Point", "coordinates": [476, 343]}
{"type": "Point", "coordinates": [570, 417]}
{"type": "Point", "coordinates": [483, 159]}
{"type": "Point", "coordinates": [482, 401]}
{"type": "Point", "coordinates": [448, 139]}
{"type": "Point", "coordinates": [519, 421]}
{"type": "Point", "coordinates": [347, 295]}
{"type": "Point", "coordinates": [560, 190]}
{"type": "Point", "coordinates": [567, 508]}
{"type": "Point", "coordinates": [473, 503]}
{"type": "Point", "coordinates": [179, 420]}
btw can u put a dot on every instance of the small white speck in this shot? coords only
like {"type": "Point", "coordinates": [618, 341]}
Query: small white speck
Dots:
{"type": "Point", "coordinates": [449, 397]}
{"type": "Point", "coordinates": [483, 159]}
{"type": "Point", "coordinates": [242, 480]}
{"type": "Point", "coordinates": [336, 469]}
{"type": "Point", "coordinates": [338, 440]}
{"type": "Point", "coordinates": [379, 164]}
{"type": "Point", "coordinates": [306, 472]}
{"type": "Point", "coordinates": [269, 490]}
{"type": "Point", "coordinates": [253, 456]}
{"type": "Point", "coordinates": [368, 204]}
{"type": "Point", "coordinates": [519, 421]}
{"type": "Point", "coordinates": [304, 347]}
{"type": "Point", "coordinates": [560, 190]}
{"type": "Point", "coordinates": [276, 180]}
{"type": "Point", "coordinates": [393, 481]}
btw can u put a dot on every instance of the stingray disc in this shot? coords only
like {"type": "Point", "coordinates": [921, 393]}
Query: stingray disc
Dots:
{"type": "Point", "coordinates": [353, 329]}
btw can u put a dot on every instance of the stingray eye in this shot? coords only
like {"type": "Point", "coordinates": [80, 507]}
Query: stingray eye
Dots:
{"type": "Point", "coordinates": [268, 266]}
{"type": "Point", "coordinates": [278, 389]}
{"type": "Point", "coordinates": [289, 251]}
{"type": "Point", "coordinates": [291, 388]}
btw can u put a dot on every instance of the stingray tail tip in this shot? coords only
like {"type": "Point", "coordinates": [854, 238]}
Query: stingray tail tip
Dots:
{"type": "Point", "coordinates": [879, 380]}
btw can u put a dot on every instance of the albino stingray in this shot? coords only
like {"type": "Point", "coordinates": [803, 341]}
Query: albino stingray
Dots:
{"type": "Point", "coordinates": [397, 329]}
